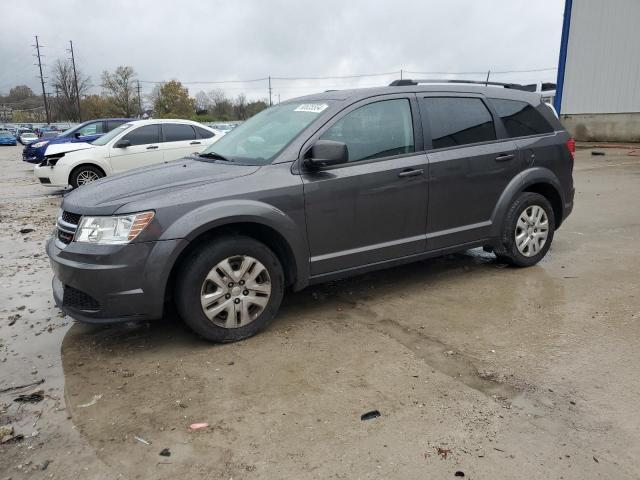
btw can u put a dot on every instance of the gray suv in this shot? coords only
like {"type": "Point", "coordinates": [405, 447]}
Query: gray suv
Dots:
{"type": "Point", "coordinates": [313, 189]}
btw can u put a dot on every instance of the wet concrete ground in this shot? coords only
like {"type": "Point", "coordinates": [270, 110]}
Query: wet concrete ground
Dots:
{"type": "Point", "coordinates": [475, 368]}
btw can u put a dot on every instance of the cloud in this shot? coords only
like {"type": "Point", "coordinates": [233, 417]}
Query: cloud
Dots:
{"type": "Point", "coordinates": [221, 40]}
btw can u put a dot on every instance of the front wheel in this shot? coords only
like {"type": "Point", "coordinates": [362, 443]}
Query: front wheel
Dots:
{"type": "Point", "coordinates": [84, 174]}
{"type": "Point", "coordinates": [229, 289]}
{"type": "Point", "coordinates": [527, 231]}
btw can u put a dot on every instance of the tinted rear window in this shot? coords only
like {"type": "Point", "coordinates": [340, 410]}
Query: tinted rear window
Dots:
{"type": "Point", "coordinates": [520, 118]}
{"type": "Point", "coordinates": [458, 121]}
{"type": "Point", "coordinates": [204, 133]}
{"type": "Point", "coordinates": [177, 132]}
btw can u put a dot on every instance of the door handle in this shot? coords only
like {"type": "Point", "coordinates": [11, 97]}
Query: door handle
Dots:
{"type": "Point", "coordinates": [504, 157]}
{"type": "Point", "coordinates": [152, 147]}
{"type": "Point", "coordinates": [194, 143]}
{"type": "Point", "coordinates": [411, 173]}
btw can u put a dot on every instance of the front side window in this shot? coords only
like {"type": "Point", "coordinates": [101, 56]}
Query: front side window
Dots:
{"type": "Point", "coordinates": [91, 129]}
{"type": "Point", "coordinates": [376, 130]}
{"type": "Point", "coordinates": [458, 121]}
{"type": "Point", "coordinates": [107, 137]}
{"type": "Point", "coordinates": [177, 132]}
{"type": "Point", "coordinates": [144, 135]}
{"type": "Point", "coordinates": [261, 138]}
{"type": "Point", "coordinates": [520, 119]}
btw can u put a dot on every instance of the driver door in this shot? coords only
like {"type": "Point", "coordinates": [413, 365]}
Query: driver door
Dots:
{"type": "Point", "coordinates": [144, 149]}
{"type": "Point", "coordinates": [374, 207]}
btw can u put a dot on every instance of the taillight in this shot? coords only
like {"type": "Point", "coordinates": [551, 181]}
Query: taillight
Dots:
{"type": "Point", "coordinates": [571, 145]}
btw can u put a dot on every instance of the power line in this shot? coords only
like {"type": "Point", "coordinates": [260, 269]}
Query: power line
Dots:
{"type": "Point", "coordinates": [485, 71]}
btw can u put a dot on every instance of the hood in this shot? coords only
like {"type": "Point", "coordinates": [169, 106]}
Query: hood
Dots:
{"type": "Point", "coordinates": [108, 194]}
{"type": "Point", "coordinates": [57, 148]}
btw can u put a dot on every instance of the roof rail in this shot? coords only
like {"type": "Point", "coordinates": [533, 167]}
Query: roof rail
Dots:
{"type": "Point", "coordinates": [407, 82]}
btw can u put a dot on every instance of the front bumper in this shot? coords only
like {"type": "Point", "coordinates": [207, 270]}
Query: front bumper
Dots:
{"type": "Point", "coordinates": [112, 283]}
{"type": "Point", "coordinates": [55, 176]}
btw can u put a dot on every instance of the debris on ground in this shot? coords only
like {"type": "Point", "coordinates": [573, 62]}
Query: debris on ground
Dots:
{"type": "Point", "coordinates": [597, 153]}
{"type": "Point", "coordinates": [13, 318]}
{"type": "Point", "coordinates": [370, 415]}
{"type": "Point", "coordinates": [459, 473]}
{"type": "Point", "coordinates": [33, 397]}
{"type": "Point", "coordinates": [142, 440]}
{"type": "Point", "coordinates": [6, 430]}
{"type": "Point", "coordinates": [12, 438]}
{"type": "Point", "coordinates": [18, 387]}
{"type": "Point", "coordinates": [45, 465]}
{"type": "Point", "coordinates": [595, 459]}
{"type": "Point", "coordinates": [443, 452]}
{"type": "Point", "coordinates": [28, 229]}
{"type": "Point", "coordinates": [198, 426]}
{"type": "Point", "coordinates": [165, 452]}
{"type": "Point", "coordinates": [92, 402]}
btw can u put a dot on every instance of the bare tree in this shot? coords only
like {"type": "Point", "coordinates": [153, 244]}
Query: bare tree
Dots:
{"type": "Point", "coordinates": [120, 89]}
{"type": "Point", "coordinates": [63, 82]}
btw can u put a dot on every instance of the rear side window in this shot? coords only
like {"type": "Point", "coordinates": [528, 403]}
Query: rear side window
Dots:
{"type": "Point", "coordinates": [520, 118]}
{"type": "Point", "coordinates": [111, 124]}
{"type": "Point", "coordinates": [144, 135]}
{"type": "Point", "coordinates": [177, 132]}
{"type": "Point", "coordinates": [376, 130]}
{"type": "Point", "coordinates": [458, 121]}
{"type": "Point", "coordinates": [204, 133]}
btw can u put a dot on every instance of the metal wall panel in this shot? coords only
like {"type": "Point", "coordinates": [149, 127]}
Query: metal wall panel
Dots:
{"type": "Point", "coordinates": [603, 58]}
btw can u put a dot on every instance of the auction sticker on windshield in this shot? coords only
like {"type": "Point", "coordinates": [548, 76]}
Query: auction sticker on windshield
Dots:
{"type": "Point", "coordinates": [311, 107]}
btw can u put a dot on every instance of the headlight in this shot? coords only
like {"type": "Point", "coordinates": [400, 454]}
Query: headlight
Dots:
{"type": "Point", "coordinates": [112, 230]}
{"type": "Point", "coordinates": [39, 144]}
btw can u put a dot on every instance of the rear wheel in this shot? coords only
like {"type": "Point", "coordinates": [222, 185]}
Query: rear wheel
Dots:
{"type": "Point", "coordinates": [229, 289]}
{"type": "Point", "coordinates": [84, 174]}
{"type": "Point", "coordinates": [527, 231]}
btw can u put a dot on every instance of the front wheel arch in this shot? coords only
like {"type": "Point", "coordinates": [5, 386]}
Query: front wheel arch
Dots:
{"type": "Point", "coordinates": [75, 169]}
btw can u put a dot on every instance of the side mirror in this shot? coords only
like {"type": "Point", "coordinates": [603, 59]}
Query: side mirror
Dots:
{"type": "Point", "coordinates": [122, 144]}
{"type": "Point", "coordinates": [77, 135]}
{"type": "Point", "coordinates": [327, 152]}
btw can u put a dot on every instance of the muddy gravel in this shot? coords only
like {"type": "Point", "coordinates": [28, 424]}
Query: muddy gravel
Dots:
{"type": "Point", "coordinates": [474, 368]}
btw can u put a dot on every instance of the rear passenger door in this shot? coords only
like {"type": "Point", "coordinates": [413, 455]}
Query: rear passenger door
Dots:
{"type": "Point", "coordinates": [470, 165]}
{"type": "Point", "coordinates": [179, 141]}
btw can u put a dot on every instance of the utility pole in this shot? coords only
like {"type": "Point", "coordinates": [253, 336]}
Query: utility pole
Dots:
{"type": "Point", "coordinates": [44, 94]}
{"type": "Point", "coordinates": [278, 98]}
{"type": "Point", "coordinates": [270, 102]}
{"type": "Point", "coordinates": [400, 74]}
{"type": "Point", "coordinates": [75, 79]}
{"type": "Point", "coordinates": [139, 100]}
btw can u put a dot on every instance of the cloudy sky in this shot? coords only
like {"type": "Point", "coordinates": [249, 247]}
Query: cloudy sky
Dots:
{"type": "Point", "coordinates": [207, 41]}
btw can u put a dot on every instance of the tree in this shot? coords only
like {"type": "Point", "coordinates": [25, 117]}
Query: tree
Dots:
{"type": "Point", "coordinates": [240, 107]}
{"type": "Point", "coordinates": [63, 82]}
{"type": "Point", "coordinates": [20, 93]}
{"type": "Point", "coordinates": [171, 99]}
{"type": "Point", "coordinates": [120, 89]}
{"type": "Point", "coordinates": [256, 107]}
{"type": "Point", "coordinates": [98, 106]}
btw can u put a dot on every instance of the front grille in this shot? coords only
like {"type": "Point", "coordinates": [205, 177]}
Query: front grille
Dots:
{"type": "Point", "coordinates": [73, 218]}
{"type": "Point", "coordinates": [67, 225]}
{"type": "Point", "coordinates": [74, 298]}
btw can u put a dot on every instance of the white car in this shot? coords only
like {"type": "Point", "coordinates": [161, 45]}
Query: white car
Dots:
{"type": "Point", "coordinates": [131, 145]}
{"type": "Point", "coordinates": [27, 137]}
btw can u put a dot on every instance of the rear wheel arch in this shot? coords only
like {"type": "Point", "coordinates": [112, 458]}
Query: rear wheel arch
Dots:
{"type": "Point", "coordinates": [551, 193]}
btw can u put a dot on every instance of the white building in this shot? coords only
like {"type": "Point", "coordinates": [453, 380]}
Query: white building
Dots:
{"type": "Point", "coordinates": [598, 87]}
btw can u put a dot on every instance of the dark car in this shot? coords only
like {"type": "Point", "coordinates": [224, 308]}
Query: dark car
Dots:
{"type": "Point", "coordinates": [313, 189]}
{"type": "Point", "coordinates": [85, 132]}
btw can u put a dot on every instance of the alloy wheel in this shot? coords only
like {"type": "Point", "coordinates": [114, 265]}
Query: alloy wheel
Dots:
{"type": "Point", "coordinates": [532, 229]}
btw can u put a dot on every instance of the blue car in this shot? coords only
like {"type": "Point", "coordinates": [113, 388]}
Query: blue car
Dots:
{"type": "Point", "coordinates": [85, 132]}
{"type": "Point", "coordinates": [7, 138]}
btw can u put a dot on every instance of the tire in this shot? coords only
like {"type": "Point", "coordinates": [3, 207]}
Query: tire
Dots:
{"type": "Point", "coordinates": [84, 174]}
{"type": "Point", "coordinates": [514, 247]}
{"type": "Point", "coordinates": [201, 274]}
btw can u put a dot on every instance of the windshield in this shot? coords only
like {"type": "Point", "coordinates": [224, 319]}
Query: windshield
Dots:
{"type": "Point", "coordinates": [258, 140]}
{"type": "Point", "coordinates": [107, 137]}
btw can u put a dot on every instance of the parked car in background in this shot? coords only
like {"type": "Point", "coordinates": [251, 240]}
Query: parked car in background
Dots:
{"type": "Point", "coordinates": [25, 138]}
{"type": "Point", "coordinates": [7, 138]}
{"type": "Point", "coordinates": [85, 132]}
{"type": "Point", "coordinates": [313, 189]}
{"type": "Point", "coordinates": [131, 145]}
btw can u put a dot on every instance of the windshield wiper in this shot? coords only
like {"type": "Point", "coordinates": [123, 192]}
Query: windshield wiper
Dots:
{"type": "Point", "coordinates": [215, 156]}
